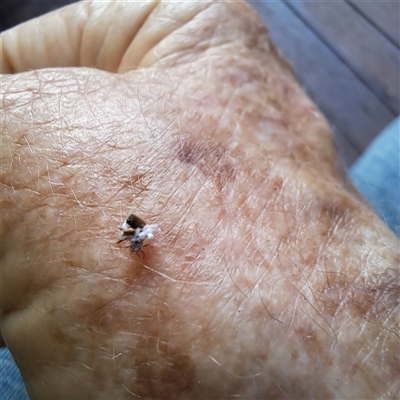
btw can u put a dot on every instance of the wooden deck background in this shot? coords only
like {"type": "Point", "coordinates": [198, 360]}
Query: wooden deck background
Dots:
{"type": "Point", "coordinates": [346, 56]}
{"type": "Point", "coordinates": [345, 53]}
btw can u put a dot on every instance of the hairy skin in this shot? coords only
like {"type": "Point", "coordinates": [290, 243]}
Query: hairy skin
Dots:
{"type": "Point", "coordinates": [269, 278]}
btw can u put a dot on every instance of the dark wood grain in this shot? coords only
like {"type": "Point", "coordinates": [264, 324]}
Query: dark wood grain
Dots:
{"type": "Point", "coordinates": [385, 15]}
{"type": "Point", "coordinates": [346, 150]}
{"type": "Point", "coordinates": [369, 54]}
{"type": "Point", "coordinates": [352, 109]}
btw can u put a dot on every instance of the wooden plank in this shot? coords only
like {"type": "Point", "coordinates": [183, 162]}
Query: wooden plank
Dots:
{"type": "Point", "coordinates": [385, 15]}
{"type": "Point", "coordinates": [14, 12]}
{"type": "Point", "coordinates": [346, 102]}
{"type": "Point", "coordinates": [369, 54]}
{"type": "Point", "coordinates": [347, 152]}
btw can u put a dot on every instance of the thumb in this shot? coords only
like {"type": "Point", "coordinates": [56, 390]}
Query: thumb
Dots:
{"type": "Point", "coordinates": [112, 36]}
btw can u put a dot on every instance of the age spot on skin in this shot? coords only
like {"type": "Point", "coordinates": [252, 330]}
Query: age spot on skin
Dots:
{"type": "Point", "coordinates": [212, 160]}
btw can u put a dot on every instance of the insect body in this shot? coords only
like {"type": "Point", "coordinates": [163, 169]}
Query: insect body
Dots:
{"type": "Point", "coordinates": [136, 231]}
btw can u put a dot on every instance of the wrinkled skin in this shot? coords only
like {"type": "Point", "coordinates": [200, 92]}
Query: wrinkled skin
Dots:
{"type": "Point", "coordinates": [269, 277]}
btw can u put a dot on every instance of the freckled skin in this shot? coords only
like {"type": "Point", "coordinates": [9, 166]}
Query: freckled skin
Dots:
{"type": "Point", "coordinates": [269, 277]}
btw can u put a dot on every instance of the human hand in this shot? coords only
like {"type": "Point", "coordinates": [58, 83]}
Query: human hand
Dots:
{"type": "Point", "coordinates": [269, 277]}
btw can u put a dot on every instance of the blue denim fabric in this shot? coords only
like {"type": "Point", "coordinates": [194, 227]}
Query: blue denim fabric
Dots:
{"type": "Point", "coordinates": [376, 175]}
{"type": "Point", "coordinates": [11, 384]}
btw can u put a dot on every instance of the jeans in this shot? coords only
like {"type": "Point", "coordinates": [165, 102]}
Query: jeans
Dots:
{"type": "Point", "coordinates": [376, 174]}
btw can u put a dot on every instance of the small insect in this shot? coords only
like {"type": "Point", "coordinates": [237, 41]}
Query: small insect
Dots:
{"type": "Point", "coordinates": [136, 231]}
